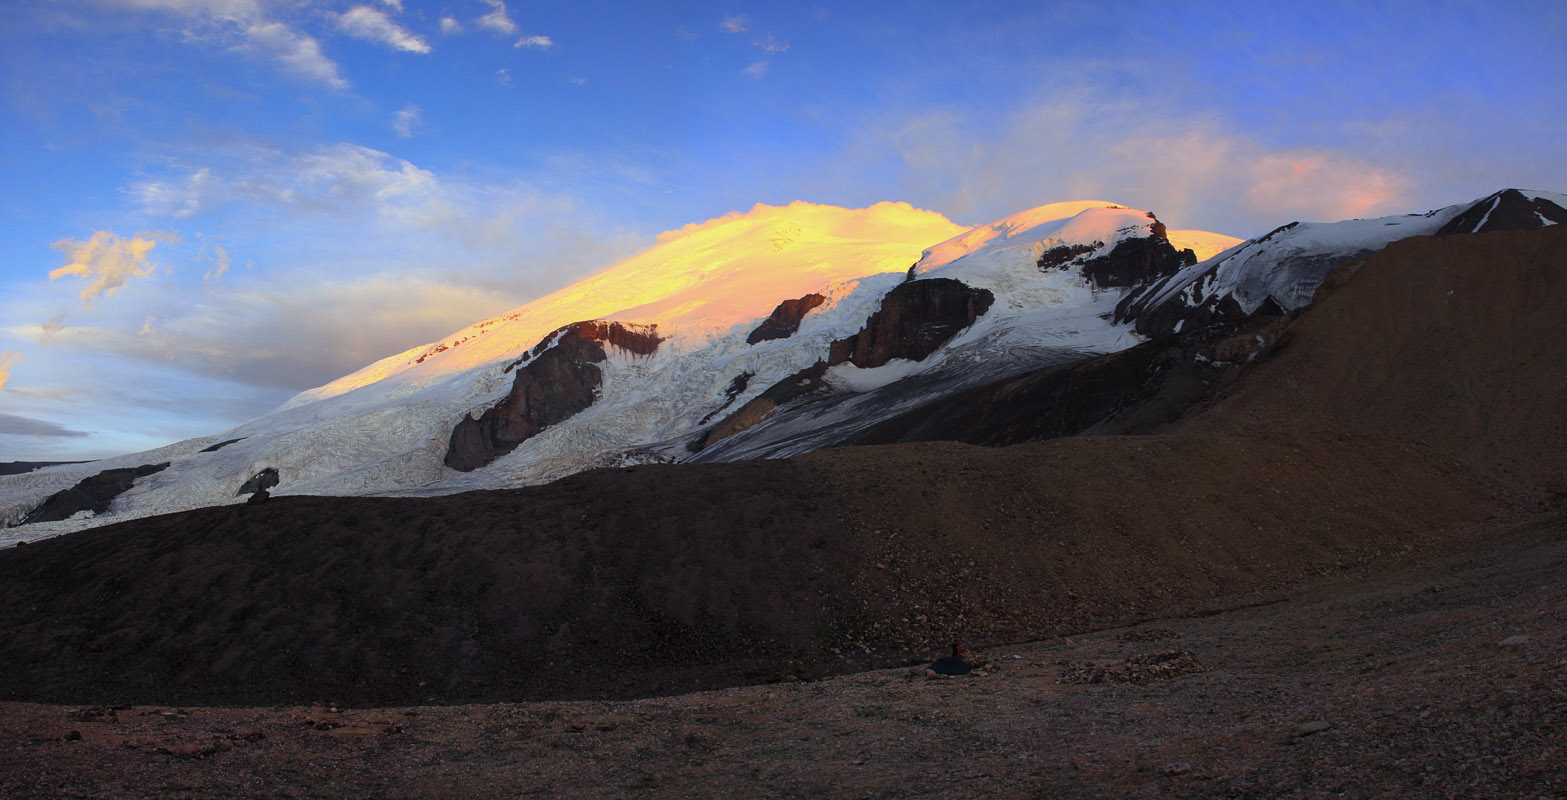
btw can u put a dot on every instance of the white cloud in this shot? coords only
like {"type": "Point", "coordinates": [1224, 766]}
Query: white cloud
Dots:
{"type": "Point", "coordinates": [8, 360]}
{"type": "Point", "coordinates": [106, 260]}
{"type": "Point", "coordinates": [395, 5]}
{"type": "Point", "coordinates": [341, 180]}
{"type": "Point", "coordinates": [168, 200]}
{"type": "Point", "coordinates": [757, 70]}
{"type": "Point", "coordinates": [450, 25]}
{"type": "Point", "coordinates": [503, 77]}
{"type": "Point", "coordinates": [220, 264]}
{"type": "Point", "coordinates": [373, 25]}
{"type": "Point", "coordinates": [297, 52]}
{"type": "Point", "coordinates": [770, 44]}
{"type": "Point", "coordinates": [539, 42]}
{"type": "Point", "coordinates": [497, 20]}
{"type": "Point", "coordinates": [735, 24]}
{"type": "Point", "coordinates": [406, 120]}
{"type": "Point", "coordinates": [247, 26]}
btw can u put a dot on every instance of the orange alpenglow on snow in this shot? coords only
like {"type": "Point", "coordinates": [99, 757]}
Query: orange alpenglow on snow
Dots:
{"type": "Point", "coordinates": [699, 280]}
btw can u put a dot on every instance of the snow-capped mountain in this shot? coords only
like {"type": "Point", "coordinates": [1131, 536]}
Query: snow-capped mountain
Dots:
{"type": "Point", "coordinates": [1280, 270]}
{"type": "Point", "coordinates": [763, 334]}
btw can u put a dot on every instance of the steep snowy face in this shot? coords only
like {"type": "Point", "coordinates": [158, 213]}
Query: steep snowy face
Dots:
{"type": "Point", "coordinates": [1281, 270]}
{"type": "Point", "coordinates": [1036, 288]}
{"type": "Point", "coordinates": [698, 280]}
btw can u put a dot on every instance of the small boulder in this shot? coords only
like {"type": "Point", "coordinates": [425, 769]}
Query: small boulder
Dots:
{"type": "Point", "coordinates": [954, 664]}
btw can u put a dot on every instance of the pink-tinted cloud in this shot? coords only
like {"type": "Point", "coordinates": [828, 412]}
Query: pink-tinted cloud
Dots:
{"type": "Point", "coordinates": [1194, 169]}
{"type": "Point", "coordinates": [107, 261]}
{"type": "Point", "coordinates": [8, 360]}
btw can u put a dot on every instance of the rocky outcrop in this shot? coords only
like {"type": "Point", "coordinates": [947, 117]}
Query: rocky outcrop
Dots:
{"type": "Point", "coordinates": [1060, 257]}
{"type": "Point", "coordinates": [762, 406]}
{"type": "Point", "coordinates": [1132, 262]}
{"type": "Point", "coordinates": [1507, 210]}
{"type": "Point", "coordinates": [1176, 314]}
{"type": "Point", "coordinates": [91, 494]}
{"type": "Point", "coordinates": [785, 319]}
{"type": "Point", "coordinates": [915, 318]}
{"type": "Point", "coordinates": [555, 380]}
{"type": "Point", "coordinates": [213, 448]}
{"type": "Point", "coordinates": [1134, 391]}
{"type": "Point", "coordinates": [736, 386]}
{"type": "Point", "coordinates": [259, 482]}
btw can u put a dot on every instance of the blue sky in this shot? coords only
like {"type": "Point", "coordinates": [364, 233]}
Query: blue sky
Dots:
{"type": "Point", "coordinates": [261, 195]}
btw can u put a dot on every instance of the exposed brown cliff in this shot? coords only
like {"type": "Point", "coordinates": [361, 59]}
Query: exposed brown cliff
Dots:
{"type": "Point", "coordinates": [914, 319]}
{"type": "Point", "coordinates": [555, 380]}
{"type": "Point", "coordinates": [785, 319]}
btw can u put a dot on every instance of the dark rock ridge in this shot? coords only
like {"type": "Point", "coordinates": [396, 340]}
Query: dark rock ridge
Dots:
{"type": "Point", "coordinates": [90, 494]}
{"type": "Point", "coordinates": [259, 482]}
{"type": "Point", "coordinates": [734, 389]}
{"type": "Point", "coordinates": [1133, 391]}
{"type": "Point", "coordinates": [213, 448]}
{"type": "Point", "coordinates": [555, 380]}
{"type": "Point", "coordinates": [1132, 262]}
{"type": "Point", "coordinates": [762, 406]}
{"type": "Point", "coordinates": [1507, 210]}
{"type": "Point", "coordinates": [1178, 314]}
{"type": "Point", "coordinates": [914, 319]}
{"type": "Point", "coordinates": [1062, 256]}
{"type": "Point", "coordinates": [785, 319]}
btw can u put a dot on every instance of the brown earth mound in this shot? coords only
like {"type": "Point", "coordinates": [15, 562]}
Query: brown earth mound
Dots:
{"type": "Point", "coordinates": [1454, 342]}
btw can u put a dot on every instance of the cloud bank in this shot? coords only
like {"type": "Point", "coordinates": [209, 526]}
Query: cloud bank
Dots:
{"type": "Point", "coordinates": [13, 425]}
{"type": "Point", "coordinates": [1192, 167]}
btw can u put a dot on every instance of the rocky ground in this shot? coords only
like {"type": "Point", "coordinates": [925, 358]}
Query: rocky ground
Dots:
{"type": "Point", "coordinates": [1444, 679]}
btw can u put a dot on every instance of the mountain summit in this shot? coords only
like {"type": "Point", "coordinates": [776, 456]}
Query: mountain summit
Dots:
{"type": "Point", "coordinates": [768, 333]}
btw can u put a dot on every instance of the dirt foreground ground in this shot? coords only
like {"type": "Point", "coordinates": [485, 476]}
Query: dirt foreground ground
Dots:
{"type": "Point", "coordinates": [1447, 679]}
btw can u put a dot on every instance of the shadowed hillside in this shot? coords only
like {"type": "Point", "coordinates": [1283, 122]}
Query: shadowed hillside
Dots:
{"type": "Point", "coordinates": [1452, 341]}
